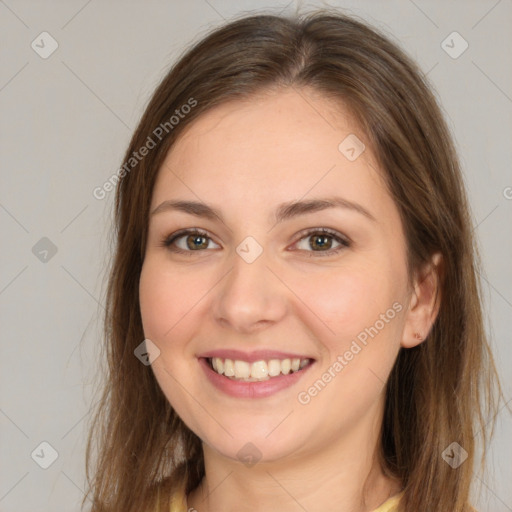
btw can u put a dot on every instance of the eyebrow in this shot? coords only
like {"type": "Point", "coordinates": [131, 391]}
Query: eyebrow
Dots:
{"type": "Point", "coordinates": [283, 212]}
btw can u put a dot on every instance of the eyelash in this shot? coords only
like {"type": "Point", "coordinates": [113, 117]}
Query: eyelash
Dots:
{"type": "Point", "coordinates": [344, 243]}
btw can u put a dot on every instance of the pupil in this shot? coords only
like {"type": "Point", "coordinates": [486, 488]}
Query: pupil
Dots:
{"type": "Point", "coordinates": [321, 237]}
{"type": "Point", "coordinates": [196, 241]}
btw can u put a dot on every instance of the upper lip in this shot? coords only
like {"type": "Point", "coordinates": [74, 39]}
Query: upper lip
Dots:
{"type": "Point", "coordinates": [250, 357]}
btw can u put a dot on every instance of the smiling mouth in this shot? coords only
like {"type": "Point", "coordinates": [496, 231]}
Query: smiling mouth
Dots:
{"type": "Point", "coordinates": [256, 371]}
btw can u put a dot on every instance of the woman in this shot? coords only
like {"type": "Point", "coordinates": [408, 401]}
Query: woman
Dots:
{"type": "Point", "coordinates": [294, 248]}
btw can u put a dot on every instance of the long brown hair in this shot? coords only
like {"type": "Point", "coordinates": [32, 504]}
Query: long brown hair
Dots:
{"type": "Point", "coordinates": [444, 390]}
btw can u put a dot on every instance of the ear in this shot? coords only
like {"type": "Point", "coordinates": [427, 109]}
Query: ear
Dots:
{"type": "Point", "coordinates": [424, 302]}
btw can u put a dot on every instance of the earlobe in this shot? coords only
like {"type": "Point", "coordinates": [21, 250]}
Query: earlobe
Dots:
{"type": "Point", "coordinates": [418, 336]}
{"type": "Point", "coordinates": [424, 303]}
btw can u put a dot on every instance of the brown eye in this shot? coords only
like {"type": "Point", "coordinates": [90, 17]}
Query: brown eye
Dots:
{"type": "Point", "coordinates": [321, 241]}
{"type": "Point", "coordinates": [187, 241]}
{"type": "Point", "coordinates": [196, 242]}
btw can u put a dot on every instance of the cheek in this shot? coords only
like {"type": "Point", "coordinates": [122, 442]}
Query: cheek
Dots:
{"type": "Point", "coordinates": [347, 301]}
{"type": "Point", "coordinates": [156, 302]}
{"type": "Point", "coordinates": [363, 310]}
{"type": "Point", "coordinates": [166, 298]}
{"type": "Point", "coordinates": [167, 302]}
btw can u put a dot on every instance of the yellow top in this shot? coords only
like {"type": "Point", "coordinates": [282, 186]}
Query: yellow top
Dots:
{"type": "Point", "coordinates": [179, 503]}
{"type": "Point", "coordinates": [391, 504]}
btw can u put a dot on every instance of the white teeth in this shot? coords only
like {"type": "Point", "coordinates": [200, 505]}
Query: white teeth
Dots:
{"type": "Point", "coordinates": [229, 367]}
{"type": "Point", "coordinates": [259, 370]}
{"type": "Point", "coordinates": [242, 370]}
{"type": "Point", "coordinates": [274, 367]}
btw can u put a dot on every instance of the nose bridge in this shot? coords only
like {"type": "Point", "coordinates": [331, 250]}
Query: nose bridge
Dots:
{"type": "Point", "coordinates": [250, 294]}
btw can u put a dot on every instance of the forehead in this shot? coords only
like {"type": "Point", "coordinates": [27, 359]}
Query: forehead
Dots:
{"type": "Point", "coordinates": [276, 146]}
{"type": "Point", "coordinates": [300, 119]}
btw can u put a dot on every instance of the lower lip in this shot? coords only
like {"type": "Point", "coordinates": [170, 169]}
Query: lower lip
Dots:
{"type": "Point", "coordinates": [261, 389]}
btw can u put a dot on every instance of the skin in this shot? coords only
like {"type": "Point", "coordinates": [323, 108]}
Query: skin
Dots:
{"type": "Point", "coordinates": [245, 158]}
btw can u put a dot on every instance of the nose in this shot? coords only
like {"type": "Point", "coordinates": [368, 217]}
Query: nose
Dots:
{"type": "Point", "coordinates": [250, 297]}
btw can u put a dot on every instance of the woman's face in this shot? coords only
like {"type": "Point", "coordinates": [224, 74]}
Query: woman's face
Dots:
{"type": "Point", "coordinates": [263, 289]}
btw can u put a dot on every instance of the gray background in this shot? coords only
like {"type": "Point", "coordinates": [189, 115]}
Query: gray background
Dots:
{"type": "Point", "coordinates": [65, 123]}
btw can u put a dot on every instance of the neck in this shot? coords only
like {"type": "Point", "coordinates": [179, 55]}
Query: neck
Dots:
{"type": "Point", "coordinates": [344, 476]}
